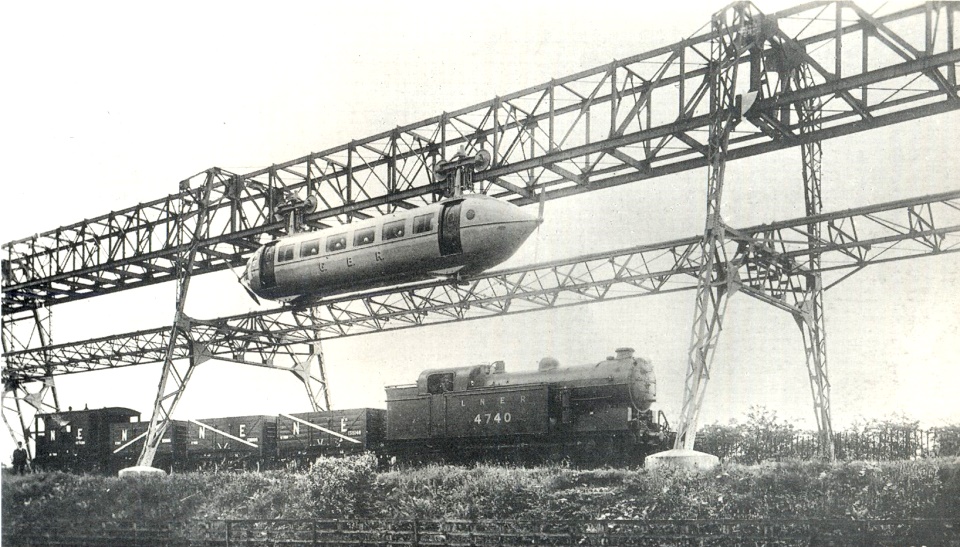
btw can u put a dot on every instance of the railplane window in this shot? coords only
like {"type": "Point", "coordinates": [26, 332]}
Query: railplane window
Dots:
{"type": "Point", "coordinates": [310, 248]}
{"type": "Point", "coordinates": [393, 230]}
{"type": "Point", "coordinates": [439, 383]}
{"type": "Point", "coordinates": [423, 223]}
{"type": "Point", "coordinates": [337, 242]}
{"type": "Point", "coordinates": [285, 253]}
{"type": "Point", "coordinates": [364, 237]}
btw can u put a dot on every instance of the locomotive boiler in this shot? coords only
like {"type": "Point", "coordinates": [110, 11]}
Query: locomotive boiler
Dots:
{"type": "Point", "coordinates": [589, 414]}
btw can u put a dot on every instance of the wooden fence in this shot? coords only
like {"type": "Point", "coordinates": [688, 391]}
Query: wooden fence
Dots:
{"type": "Point", "coordinates": [416, 533]}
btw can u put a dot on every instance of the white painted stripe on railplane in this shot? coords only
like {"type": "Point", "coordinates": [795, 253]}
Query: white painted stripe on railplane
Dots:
{"type": "Point", "coordinates": [227, 435]}
{"type": "Point", "coordinates": [325, 430]}
{"type": "Point", "coordinates": [135, 439]}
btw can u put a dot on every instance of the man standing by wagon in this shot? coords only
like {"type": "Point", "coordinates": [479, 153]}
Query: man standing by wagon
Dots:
{"type": "Point", "coordinates": [19, 459]}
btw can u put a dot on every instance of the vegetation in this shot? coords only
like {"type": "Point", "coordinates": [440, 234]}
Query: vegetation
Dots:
{"type": "Point", "coordinates": [779, 487]}
{"type": "Point", "coordinates": [765, 437]}
{"type": "Point", "coordinates": [352, 488]}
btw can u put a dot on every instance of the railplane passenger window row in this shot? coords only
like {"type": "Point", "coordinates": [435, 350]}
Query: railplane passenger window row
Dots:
{"type": "Point", "coordinates": [364, 236]}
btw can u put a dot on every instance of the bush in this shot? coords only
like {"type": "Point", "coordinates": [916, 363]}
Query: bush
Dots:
{"type": "Point", "coordinates": [764, 437]}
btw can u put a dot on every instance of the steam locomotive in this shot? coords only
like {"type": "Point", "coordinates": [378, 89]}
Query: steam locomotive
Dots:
{"type": "Point", "coordinates": [596, 414]}
{"type": "Point", "coordinates": [591, 414]}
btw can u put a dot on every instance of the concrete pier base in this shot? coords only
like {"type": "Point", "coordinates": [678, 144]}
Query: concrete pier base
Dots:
{"type": "Point", "coordinates": [140, 471]}
{"type": "Point", "coordinates": [682, 458]}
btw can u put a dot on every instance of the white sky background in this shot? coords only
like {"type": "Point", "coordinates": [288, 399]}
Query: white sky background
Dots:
{"type": "Point", "coordinates": [110, 104]}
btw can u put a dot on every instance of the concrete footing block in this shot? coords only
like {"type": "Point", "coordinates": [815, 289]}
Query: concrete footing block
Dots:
{"type": "Point", "coordinates": [681, 458]}
{"type": "Point", "coordinates": [141, 471]}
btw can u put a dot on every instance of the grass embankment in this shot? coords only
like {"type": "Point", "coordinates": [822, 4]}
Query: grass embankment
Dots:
{"type": "Point", "coordinates": [354, 489]}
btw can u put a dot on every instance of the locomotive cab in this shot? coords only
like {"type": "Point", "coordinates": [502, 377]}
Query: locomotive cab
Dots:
{"type": "Point", "coordinates": [438, 381]}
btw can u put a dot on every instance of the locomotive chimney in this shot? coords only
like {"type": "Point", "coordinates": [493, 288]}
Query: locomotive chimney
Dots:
{"type": "Point", "coordinates": [624, 353]}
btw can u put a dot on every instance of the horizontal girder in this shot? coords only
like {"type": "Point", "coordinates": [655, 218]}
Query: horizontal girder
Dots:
{"type": "Point", "coordinates": [767, 262]}
{"type": "Point", "coordinates": [630, 120]}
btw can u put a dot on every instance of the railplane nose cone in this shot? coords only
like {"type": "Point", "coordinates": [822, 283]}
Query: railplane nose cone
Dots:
{"type": "Point", "coordinates": [520, 229]}
{"type": "Point", "coordinates": [493, 230]}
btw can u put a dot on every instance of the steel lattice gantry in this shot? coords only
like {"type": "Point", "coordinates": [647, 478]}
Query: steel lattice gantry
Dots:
{"type": "Point", "coordinates": [753, 83]}
{"type": "Point", "coordinates": [768, 262]}
{"type": "Point", "coordinates": [630, 120]}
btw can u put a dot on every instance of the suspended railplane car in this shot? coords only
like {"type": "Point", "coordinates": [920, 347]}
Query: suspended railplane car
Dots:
{"type": "Point", "coordinates": [452, 238]}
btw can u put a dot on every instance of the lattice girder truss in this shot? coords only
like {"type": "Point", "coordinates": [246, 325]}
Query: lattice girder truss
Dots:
{"type": "Point", "coordinates": [769, 262]}
{"type": "Point", "coordinates": [630, 120]}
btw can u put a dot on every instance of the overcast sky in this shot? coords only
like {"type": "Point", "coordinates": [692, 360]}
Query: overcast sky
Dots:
{"type": "Point", "coordinates": [109, 104]}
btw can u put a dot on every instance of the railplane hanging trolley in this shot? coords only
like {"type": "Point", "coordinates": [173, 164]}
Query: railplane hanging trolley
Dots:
{"type": "Point", "coordinates": [460, 236]}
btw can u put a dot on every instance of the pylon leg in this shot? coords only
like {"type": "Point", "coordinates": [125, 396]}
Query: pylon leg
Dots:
{"type": "Point", "coordinates": [310, 370]}
{"type": "Point", "coordinates": [310, 366]}
{"type": "Point", "coordinates": [712, 297]}
{"type": "Point", "coordinates": [24, 401]}
{"type": "Point", "coordinates": [810, 318]}
{"type": "Point", "coordinates": [173, 382]}
{"type": "Point", "coordinates": [810, 321]}
{"type": "Point", "coordinates": [175, 376]}
{"type": "Point", "coordinates": [24, 398]}
{"type": "Point", "coordinates": [713, 281]}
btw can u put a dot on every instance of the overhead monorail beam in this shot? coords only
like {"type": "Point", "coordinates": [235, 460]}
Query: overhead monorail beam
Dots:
{"type": "Point", "coordinates": [648, 117]}
{"type": "Point", "coordinates": [765, 259]}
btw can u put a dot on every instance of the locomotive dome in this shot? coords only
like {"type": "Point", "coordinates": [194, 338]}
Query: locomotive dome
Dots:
{"type": "Point", "coordinates": [548, 363]}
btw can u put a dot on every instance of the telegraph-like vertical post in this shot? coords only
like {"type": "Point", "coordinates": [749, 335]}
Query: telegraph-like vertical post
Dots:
{"type": "Point", "coordinates": [735, 30]}
{"type": "Point", "coordinates": [174, 377]}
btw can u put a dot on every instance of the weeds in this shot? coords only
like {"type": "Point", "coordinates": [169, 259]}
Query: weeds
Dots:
{"type": "Point", "coordinates": [352, 488]}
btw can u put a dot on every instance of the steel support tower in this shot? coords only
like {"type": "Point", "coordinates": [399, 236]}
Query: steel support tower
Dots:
{"type": "Point", "coordinates": [307, 365]}
{"type": "Point", "coordinates": [740, 32]}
